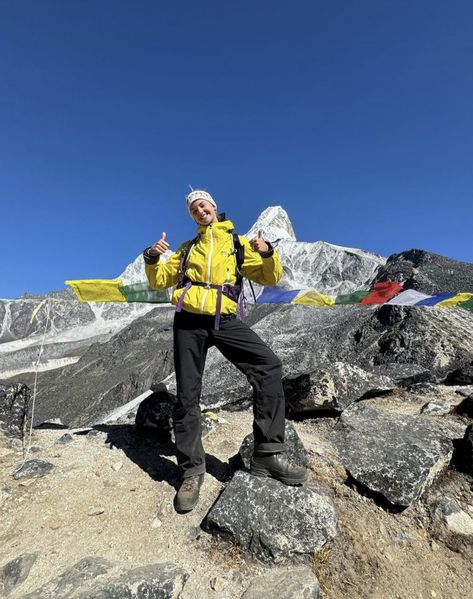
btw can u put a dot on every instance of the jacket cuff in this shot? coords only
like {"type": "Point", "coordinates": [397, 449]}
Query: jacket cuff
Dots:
{"type": "Point", "coordinates": [148, 258]}
{"type": "Point", "coordinates": [269, 253]}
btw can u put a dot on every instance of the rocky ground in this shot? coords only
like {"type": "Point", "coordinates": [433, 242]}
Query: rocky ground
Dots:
{"type": "Point", "coordinates": [111, 498]}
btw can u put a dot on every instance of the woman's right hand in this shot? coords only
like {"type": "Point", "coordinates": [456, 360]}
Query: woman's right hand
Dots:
{"type": "Point", "coordinates": [160, 247]}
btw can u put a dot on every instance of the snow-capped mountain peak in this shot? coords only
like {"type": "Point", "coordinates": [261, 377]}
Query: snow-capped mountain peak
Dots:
{"type": "Point", "coordinates": [275, 224]}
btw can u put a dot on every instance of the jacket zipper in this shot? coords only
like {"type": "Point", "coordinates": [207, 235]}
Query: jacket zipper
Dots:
{"type": "Point", "coordinates": [209, 263]}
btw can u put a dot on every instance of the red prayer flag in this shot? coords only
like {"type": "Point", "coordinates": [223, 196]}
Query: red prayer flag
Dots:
{"type": "Point", "coordinates": [382, 292]}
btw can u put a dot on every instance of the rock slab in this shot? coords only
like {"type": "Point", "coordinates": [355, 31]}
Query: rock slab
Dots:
{"type": "Point", "coordinates": [97, 578]}
{"type": "Point", "coordinates": [270, 520]}
{"type": "Point", "coordinates": [297, 583]}
{"type": "Point", "coordinates": [33, 469]}
{"type": "Point", "coordinates": [333, 386]}
{"type": "Point", "coordinates": [15, 572]}
{"type": "Point", "coordinates": [394, 455]}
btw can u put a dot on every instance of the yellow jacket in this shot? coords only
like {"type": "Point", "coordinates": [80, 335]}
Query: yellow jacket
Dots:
{"type": "Point", "coordinates": [211, 260]}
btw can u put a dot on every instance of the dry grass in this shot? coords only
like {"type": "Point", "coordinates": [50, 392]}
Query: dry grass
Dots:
{"type": "Point", "coordinates": [320, 562]}
{"type": "Point", "coordinates": [225, 552]}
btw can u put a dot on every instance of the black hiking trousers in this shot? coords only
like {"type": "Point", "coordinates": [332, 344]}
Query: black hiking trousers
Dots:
{"type": "Point", "coordinates": [194, 334]}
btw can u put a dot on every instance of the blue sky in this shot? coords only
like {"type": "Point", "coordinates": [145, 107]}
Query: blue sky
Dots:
{"type": "Point", "coordinates": [355, 116]}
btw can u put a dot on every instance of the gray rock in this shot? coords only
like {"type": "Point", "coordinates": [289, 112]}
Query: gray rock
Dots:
{"type": "Point", "coordinates": [4, 495]}
{"type": "Point", "coordinates": [14, 409]}
{"type": "Point", "coordinates": [396, 456]}
{"type": "Point", "coordinates": [430, 389]}
{"type": "Point", "coordinates": [436, 407]}
{"type": "Point", "coordinates": [33, 469]}
{"type": "Point", "coordinates": [14, 573]}
{"type": "Point", "coordinates": [270, 520]}
{"type": "Point", "coordinates": [71, 580]}
{"type": "Point", "coordinates": [455, 519]}
{"type": "Point", "coordinates": [297, 583]}
{"type": "Point", "coordinates": [334, 386]}
{"type": "Point", "coordinates": [15, 443]}
{"type": "Point", "coordinates": [209, 423]}
{"type": "Point", "coordinates": [295, 450]}
{"type": "Point", "coordinates": [427, 272]}
{"type": "Point", "coordinates": [158, 581]}
{"type": "Point", "coordinates": [403, 375]}
{"type": "Point", "coordinates": [65, 439]}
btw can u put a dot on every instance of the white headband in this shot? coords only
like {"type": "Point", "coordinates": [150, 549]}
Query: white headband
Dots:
{"type": "Point", "coordinates": [199, 194]}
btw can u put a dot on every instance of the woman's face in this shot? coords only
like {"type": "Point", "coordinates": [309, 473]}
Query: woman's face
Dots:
{"type": "Point", "coordinates": [203, 212]}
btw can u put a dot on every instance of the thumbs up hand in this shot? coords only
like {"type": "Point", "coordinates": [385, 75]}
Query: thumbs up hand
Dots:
{"type": "Point", "coordinates": [160, 247]}
{"type": "Point", "coordinates": [259, 244]}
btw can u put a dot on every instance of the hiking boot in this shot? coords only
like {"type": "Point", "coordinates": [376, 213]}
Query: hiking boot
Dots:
{"type": "Point", "coordinates": [276, 465]}
{"type": "Point", "coordinates": [188, 495]}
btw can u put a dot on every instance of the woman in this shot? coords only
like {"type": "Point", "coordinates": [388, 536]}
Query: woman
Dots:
{"type": "Point", "coordinates": [204, 274]}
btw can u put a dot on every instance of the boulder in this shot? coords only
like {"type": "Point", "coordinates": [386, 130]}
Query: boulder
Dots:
{"type": "Point", "coordinates": [71, 580]}
{"type": "Point", "coordinates": [296, 583]}
{"type": "Point", "coordinates": [270, 520]}
{"type": "Point", "coordinates": [334, 387]}
{"type": "Point", "coordinates": [455, 519]}
{"type": "Point", "coordinates": [15, 572]}
{"type": "Point", "coordinates": [160, 581]}
{"type": "Point", "coordinates": [65, 439]}
{"type": "Point", "coordinates": [33, 469]}
{"type": "Point", "coordinates": [96, 578]}
{"type": "Point", "coordinates": [14, 409]}
{"type": "Point", "coordinates": [393, 455]}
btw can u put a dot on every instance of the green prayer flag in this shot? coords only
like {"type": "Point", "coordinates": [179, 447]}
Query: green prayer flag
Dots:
{"type": "Point", "coordinates": [351, 298]}
{"type": "Point", "coordinates": [468, 304]}
{"type": "Point", "coordinates": [142, 292]}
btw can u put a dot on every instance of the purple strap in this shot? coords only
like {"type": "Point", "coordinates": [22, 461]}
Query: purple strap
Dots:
{"type": "Point", "coordinates": [241, 306]}
{"type": "Point", "coordinates": [181, 299]}
{"type": "Point", "coordinates": [219, 306]}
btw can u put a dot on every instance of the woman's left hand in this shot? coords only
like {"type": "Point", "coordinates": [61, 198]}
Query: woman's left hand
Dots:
{"type": "Point", "coordinates": [259, 244]}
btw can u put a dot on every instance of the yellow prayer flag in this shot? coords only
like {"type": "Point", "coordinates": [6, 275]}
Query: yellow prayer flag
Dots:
{"type": "Point", "coordinates": [453, 301]}
{"type": "Point", "coordinates": [97, 290]}
{"type": "Point", "coordinates": [314, 298]}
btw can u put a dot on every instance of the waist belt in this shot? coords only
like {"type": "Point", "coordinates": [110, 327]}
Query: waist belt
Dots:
{"type": "Point", "coordinates": [233, 292]}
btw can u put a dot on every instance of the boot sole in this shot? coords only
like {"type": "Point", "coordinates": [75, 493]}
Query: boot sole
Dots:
{"type": "Point", "coordinates": [183, 509]}
{"type": "Point", "coordinates": [292, 482]}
